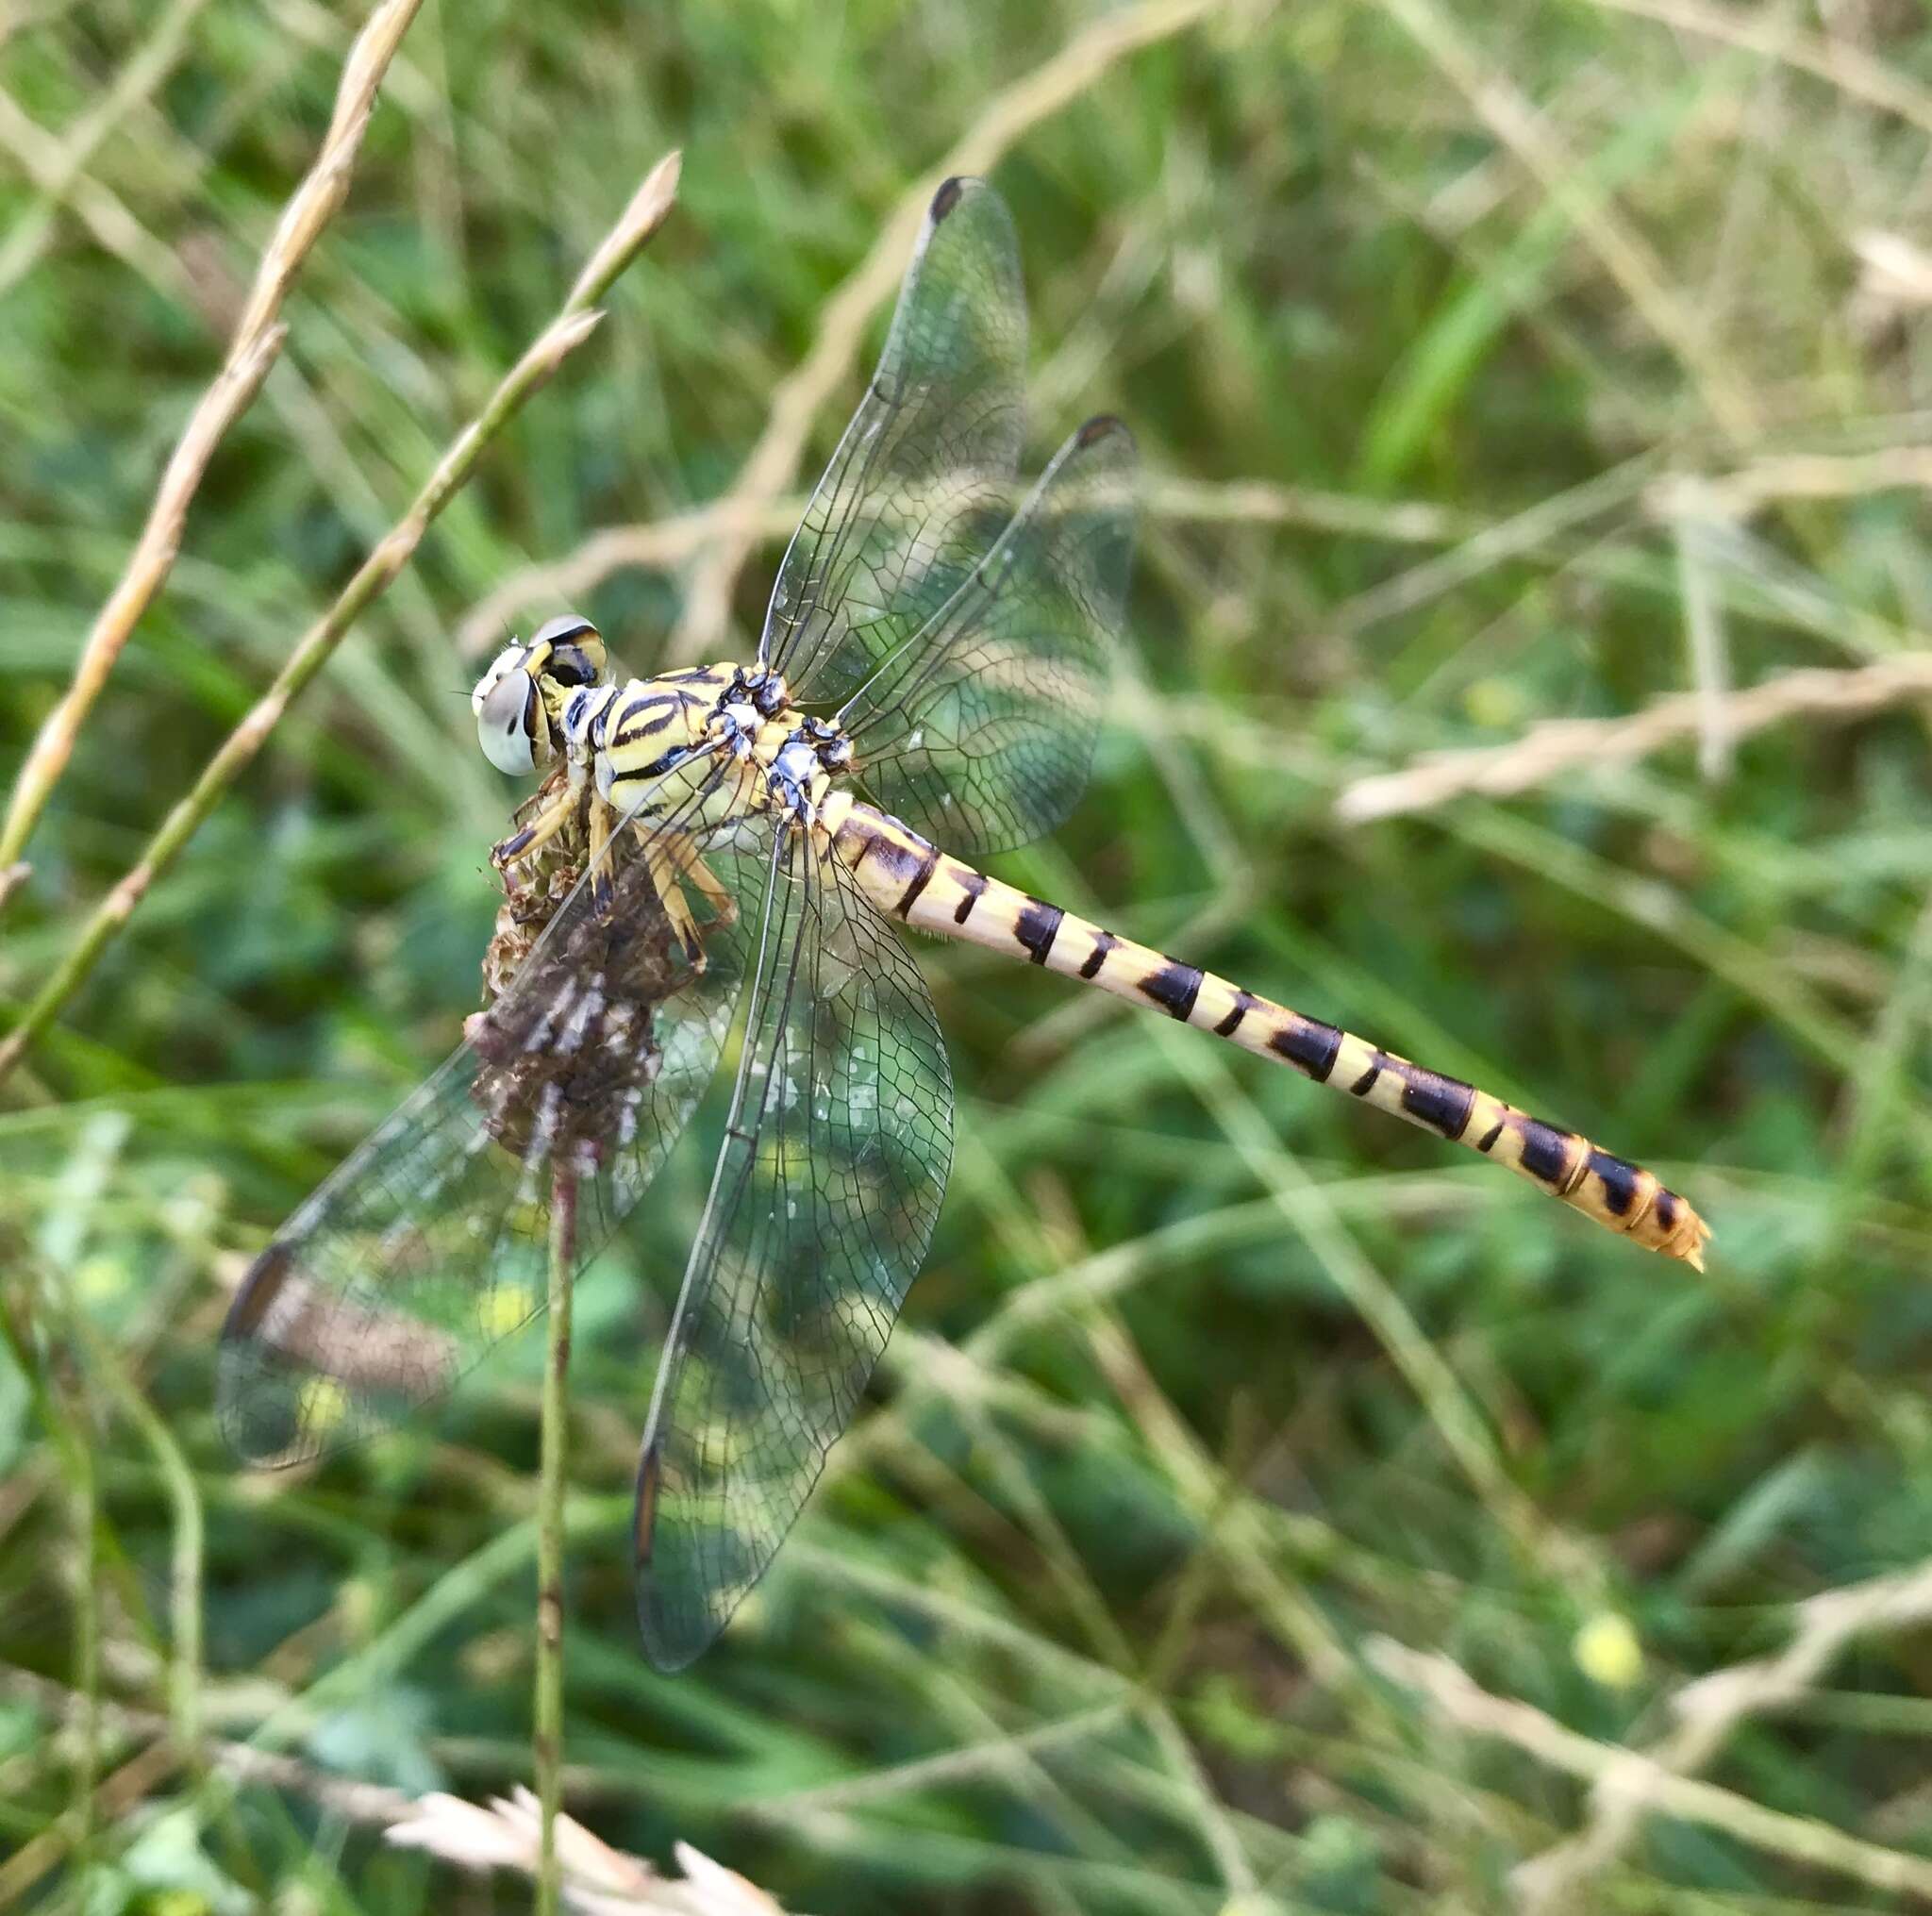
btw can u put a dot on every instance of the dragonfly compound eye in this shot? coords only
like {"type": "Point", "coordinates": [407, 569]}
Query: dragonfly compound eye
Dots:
{"type": "Point", "coordinates": [576, 651]}
{"type": "Point", "coordinates": [506, 719]}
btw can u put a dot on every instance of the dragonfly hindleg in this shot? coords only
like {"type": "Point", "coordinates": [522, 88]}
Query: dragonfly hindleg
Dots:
{"type": "Point", "coordinates": [673, 861]}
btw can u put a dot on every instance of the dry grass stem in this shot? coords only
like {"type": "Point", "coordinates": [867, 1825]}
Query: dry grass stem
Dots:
{"type": "Point", "coordinates": [1561, 745]}
{"type": "Point", "coordinates": [773, 462]}
{"type": "Point", "coordinates": [1830, 58]}
{"type": "Point", "coordinates": [598, 1881]}
{"type": "Point", "coordinates": [59, 162]}
{"type": "Point", "coordinates": [1629, 260]}
{"type": "Point", "coordinates": [661, 545]}
{"type": "Point", "coordinates": [1615, 1772]}
{"type": "Point", "coordinates": [577, 319]}
{"type": "Point", "coordinates": [102, 213]}
{"type": "Point", "coordinates": [1896, 272]}
{"type": "Point", "coordinates": [547, 1703]}
{"type": "Point", "coordinates": [1708, 1710]}
{"type": "Point", "coordinates": [158, 1755]}
{"type": "Point", "coordinates": [1802, 475]}
{"type": "Point", "coordinates": [1692, 518]}
{"type": "Point", "coordinates": [256, 345]}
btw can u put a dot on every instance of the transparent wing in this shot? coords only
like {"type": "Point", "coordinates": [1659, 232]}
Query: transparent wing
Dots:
{"type": "Point", "coordinates": [930, 450]}
{"type": "Point", "coordinates": [977, 729]}
{"type": "Point", "coordinates": [428, 1245]}
{"type": "Point", "coordinates": [822, 1206]}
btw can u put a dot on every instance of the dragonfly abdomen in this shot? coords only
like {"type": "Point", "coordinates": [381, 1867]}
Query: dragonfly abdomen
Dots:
{"type": "Point", "coordinates": [912, 880]}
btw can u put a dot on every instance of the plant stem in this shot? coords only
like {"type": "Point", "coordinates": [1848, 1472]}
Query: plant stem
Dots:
{"type": "Point", "coordinates": [574, 324]}
{"type": "Point", "coordinates": [256, 345]}
{"type": "Point", "coordinates": [548, 1739]}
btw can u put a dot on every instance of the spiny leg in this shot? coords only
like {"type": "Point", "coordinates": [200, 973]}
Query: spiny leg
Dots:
{"type": "Point", "coordinates": [544, 827]}
{"type": "Point", "coordinates": [665, 867]}
{"type": "Point", "coordinates": [603, 891]}
{"type": "Point", "coordinates": [692, 866]}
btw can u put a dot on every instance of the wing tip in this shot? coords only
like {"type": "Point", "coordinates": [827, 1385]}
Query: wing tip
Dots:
{"type": "Point", "coordinates": [952, 190]}
{"type": "Point", "coordinates": [644, 1508]}
{"type": "Point", "coordinates": [260, 1285]}
{"type": "Point", "coordinates": [669, 1642]}
{"type": "Point", "coordinates": [1106, 426]}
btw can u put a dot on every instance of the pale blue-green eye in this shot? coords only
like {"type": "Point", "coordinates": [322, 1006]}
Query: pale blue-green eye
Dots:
{"type": "Point", "coordinates": [506, 722]}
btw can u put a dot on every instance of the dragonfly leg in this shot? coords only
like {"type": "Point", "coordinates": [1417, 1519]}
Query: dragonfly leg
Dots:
{"type": "Point", "coordinates": [602, 892]}
{"type": "Point", "coordinates": [667, 867]}
{"type": "Point", "coordinates": [546, 824]}
{"type": "Point", "coordinates": [717, 894]}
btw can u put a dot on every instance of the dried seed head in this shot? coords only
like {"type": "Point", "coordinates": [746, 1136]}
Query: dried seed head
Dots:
{"type": "Point", "coordinates": [568, 1058]}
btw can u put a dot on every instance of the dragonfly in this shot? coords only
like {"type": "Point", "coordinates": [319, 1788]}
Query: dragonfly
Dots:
{"type": "Point", "coordinates": [746, 842]}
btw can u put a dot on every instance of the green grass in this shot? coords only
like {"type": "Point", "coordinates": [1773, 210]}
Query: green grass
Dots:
{"type": "Point", "coordinates": [1211, 1385]}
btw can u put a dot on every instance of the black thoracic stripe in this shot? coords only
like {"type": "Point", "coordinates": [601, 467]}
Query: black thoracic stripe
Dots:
{"type": "Point", "coordinates": [1173, 987]}
{"type": "Point", "coordinates": [1036, 927]}
{"type": "Point", "coordinates": [1490, 1137]}
{"type": "Point", "coordinates": [1243, 1004]}
{"type": "Point", "coordinates": [1443, 1104]}
{"type": "Point", "coordinates": [667, 761]}
{"type": "Point", "coordinates": [1310, 1043]}
{"type": "Point", "coordinates": [973, 885]}
{"type": "Point", "coordinates": [1618, 1178]}
{"type": "Point", "coordinates": [1545, 1150]}
{"type": "Point", "coordinates": [1104, 942]}
{"type": "Point", "coordinates": [1366, 1083]}
{"type": "Point", "coordinates": [628, 734]}
{"type": "Point", "coordinates": [920, 879]}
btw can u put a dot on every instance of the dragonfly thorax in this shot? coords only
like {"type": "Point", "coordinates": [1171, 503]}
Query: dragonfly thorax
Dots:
{"type": "Point", "coordinates": [795, 755]}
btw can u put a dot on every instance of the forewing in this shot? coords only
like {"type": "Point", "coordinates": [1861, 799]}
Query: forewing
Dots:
{"type": "Point", "coordinates": [910, 499]}
{"type": "Point", "coordinates": [429, 1244]}
{"type": "Point", "coordinates": [978, 731]}
{"type": "Point", "coordinates": [822, 1206]}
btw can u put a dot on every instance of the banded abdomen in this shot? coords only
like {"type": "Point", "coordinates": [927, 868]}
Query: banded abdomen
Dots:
{"type": "Point", "coordinates": [911, 880]}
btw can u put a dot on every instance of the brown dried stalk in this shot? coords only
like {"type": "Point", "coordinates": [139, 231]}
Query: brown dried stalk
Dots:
{"type": "Point", "coordinates": [1835, 59]}
{"type": "Point", "coordinates": [574, 324]}
{"type": "Point", "coordinates": [597, 1879]}
{"type": "Point", "coordinates": [502, 1835]}
{"type": "Point", "coordinates": [256, 345]}
{"type": "Point", "coordinates": [1561, 745]}
{"type": "Point", "coordinates": [1708, 1710]}
{"type": "Point", "coordinates": [58, 163]}
{"type": "Point", "coordinates": [658, 546]}
{"type": "Point", "coordinates": [1617, 1771]}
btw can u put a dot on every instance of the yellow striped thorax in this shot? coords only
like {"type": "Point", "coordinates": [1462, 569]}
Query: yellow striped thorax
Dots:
{"type": "Point", "coordinates": [556, 695]}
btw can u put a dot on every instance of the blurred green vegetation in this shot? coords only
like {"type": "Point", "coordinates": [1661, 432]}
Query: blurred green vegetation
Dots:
{"type": "Point", "coordinates": [1212, 1382]}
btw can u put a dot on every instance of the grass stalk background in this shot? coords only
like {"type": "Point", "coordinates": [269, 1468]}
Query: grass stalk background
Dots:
{"type": "Point", "coordinates": [1527, 667]}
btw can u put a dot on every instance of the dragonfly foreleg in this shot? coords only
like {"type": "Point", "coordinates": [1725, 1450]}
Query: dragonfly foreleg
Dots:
{"type": "Point", "coordinates": [540, 831]}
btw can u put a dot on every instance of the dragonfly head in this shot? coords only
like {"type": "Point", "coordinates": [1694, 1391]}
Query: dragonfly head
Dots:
{"type": "Point", "coordinates": [519, 701]}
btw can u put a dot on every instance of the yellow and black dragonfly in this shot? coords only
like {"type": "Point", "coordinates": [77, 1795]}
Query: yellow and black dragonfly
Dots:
{"type": "Point", "coordinates": [927, 690]}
